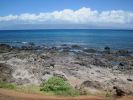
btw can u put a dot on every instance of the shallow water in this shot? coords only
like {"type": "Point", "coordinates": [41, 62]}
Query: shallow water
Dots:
{"type": "Point", "coordinates": [116, 39]}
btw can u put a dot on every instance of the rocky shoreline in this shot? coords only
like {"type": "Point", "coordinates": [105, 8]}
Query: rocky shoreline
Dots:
{"type": "Point", "coordinates": [84, 68]}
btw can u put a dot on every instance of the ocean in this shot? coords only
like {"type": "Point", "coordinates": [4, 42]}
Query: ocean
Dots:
{"type": "Point", "coordinates": [93, 38]}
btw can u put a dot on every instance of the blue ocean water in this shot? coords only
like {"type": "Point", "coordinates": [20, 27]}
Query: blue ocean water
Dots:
{"type": "Point", "coordinates": [95, 38]}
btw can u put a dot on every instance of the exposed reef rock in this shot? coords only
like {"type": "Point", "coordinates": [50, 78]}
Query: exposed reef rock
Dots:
{"type": "Point", "coordinates": [82, 67]}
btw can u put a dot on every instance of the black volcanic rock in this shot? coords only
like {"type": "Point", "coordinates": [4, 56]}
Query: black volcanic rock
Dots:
{"type": "Point", "coordinates": [76, 47]}
{"type": "Point", "coordinates": [107, 48]}
{"type": "Point", "coordinates": [119, 92]}
{"type": "Point", "coordinates": [5, 48]}
{"type": "Point", "coordinates": [122, 52]}
{"type": "Point", "coordinates": [90, 50]}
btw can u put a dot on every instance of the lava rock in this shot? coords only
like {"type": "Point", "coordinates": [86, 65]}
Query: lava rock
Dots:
{"type": "Point", "coordinates": [60, 74]}
{"type": "Point", "coordinates": [91, 84]}
{"type": "Point", "coordinates": [4, 48]}
{"type": "Point", "coordinates": [107, 48]}
{"type": "Point", "coordinates": [130, 80]}
{"type": "Point", "coordinates": [122, 52]}
{"type": "Point", "coordinates": [76, 47]}
{"type": "Point", "coordinates": [90, 50]}
{"type": "Point", "coordinates": [119, 92]}
{"type": "Point", "coordinates": [121, 64]}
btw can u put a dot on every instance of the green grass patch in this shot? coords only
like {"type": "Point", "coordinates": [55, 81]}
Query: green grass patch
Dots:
{"type": "Point", "coordinates": [58, 86]}
{"type": "Point", "coordinates": [29, 89]}
{"type": "Point", "coordinates": [7, 85]}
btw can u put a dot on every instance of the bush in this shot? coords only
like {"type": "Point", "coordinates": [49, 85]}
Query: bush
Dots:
{"type": "Point", "coordinates": [7, 85]}
{"type": "Point", "coordinates": [58, 86]}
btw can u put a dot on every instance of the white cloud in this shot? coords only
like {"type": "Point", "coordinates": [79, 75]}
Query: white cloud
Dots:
{"type": "Point", "coordinates": [68, 16]}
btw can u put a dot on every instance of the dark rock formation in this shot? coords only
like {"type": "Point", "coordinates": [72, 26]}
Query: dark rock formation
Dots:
{"type": "Point", "coordinates": [119, 92]}
{"type": "Point", "coordinates": [76, 47]}
{"type": "Point", "coordinates": [4, 48]}
{"type": "Point", "coordinates": [107, 48]}
{"type": "Point", "coordinates": [90, 50]}
{"type": "Point", "coordinates": [130, 80]}
{"type": "Point", "coordinates": [122, 52]}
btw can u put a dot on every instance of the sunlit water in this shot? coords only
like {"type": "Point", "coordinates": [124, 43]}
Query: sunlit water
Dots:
{"type": "Point", "coordinates": [116, 39]}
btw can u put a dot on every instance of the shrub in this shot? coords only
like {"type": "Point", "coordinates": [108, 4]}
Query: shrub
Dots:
{"type": "Point", "coordinates": [58, 86]}
{"type": "Point", "coordinates": [7, 85]}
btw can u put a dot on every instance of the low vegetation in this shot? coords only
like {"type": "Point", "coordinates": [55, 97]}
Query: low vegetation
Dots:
{"type": "Point", "coordinates": [53, 86]}
{"type": "Point", "coordinates": [58, 86]}
{"type": "Point", "coordinates": [7, 85]}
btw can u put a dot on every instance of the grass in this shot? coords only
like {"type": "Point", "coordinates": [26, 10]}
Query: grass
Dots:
{"type": "Point", "coordinates": [53, 86]}
{"type": "Point", "coordinates": [110, 95]}
{"type": "Point", "coordinates": [29, 89]}
{"type": "Point", "coordinates": [7, 85]}
{"type": "Point", "coordinates": [58, 86]}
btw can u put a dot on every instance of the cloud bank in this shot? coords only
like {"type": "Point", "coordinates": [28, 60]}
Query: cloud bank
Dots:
{"type": "Point", "coordinates": [84, 16]}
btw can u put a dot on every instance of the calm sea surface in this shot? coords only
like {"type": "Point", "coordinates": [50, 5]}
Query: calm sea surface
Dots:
{"type": "Point", "coordinates": [116, 39]}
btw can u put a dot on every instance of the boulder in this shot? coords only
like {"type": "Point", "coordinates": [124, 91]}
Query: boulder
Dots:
{"type": "Point", "coordinates": [60, 74]}
{"type": "Point", "coordinates": [44, 56]}
{"type": "Point", "coordinates": [119, 91]}
{"type": "Point", "coordinates": [122, 64]}
{"type": "Point", "coordinates": [129, 79]}
{"type": "Point", "coordinates": [106, 48]}
{"type": "Point", "coordinates": [90, 50]}
{"type": "Point", "coordinates": [98, 62]}
{"type": "Point", "coordinates": [76, 47]}
{"type": "Point", "coordinates": [91, 84]}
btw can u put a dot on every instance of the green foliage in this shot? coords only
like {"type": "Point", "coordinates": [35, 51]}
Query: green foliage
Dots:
{"type": "Point", "coordinates": [58, 86]}
{"type": "Point", "coordinates": [7, 85]}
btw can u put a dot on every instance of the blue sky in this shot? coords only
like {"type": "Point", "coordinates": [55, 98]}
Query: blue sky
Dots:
{"type": "Point", "coordinates": [37, 6]}
{"type": "Point", "coordinates": [34, 13]}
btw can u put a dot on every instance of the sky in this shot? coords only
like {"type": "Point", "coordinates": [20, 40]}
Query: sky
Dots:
{"type": "Point", "coordinates": [39, 14]}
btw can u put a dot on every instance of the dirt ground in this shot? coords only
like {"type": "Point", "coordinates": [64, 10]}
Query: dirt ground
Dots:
{"type": "Point", "coordinates": [14, 95]}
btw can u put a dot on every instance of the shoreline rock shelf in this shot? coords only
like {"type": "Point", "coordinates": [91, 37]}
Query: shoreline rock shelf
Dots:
{"type": "Point", "coordinates": [87, 68]}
